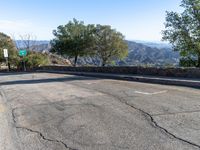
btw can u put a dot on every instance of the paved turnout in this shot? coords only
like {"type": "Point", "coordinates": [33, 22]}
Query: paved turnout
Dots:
{"type": "Point", "coordinates": [41, 111]}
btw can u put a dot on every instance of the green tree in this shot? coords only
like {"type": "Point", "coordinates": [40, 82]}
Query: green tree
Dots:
{"type": "Point", "coordinates": [110, 44]}
{"type": "Point", "coordinates": [7, 43]}
{"type": "Point", "coordinates": [183, 32]}
{"type": "Point", "coordinates": [73, 39]}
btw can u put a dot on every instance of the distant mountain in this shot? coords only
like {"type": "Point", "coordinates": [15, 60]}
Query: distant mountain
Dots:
{"type": "Point", "coordinates": [151, 54]}
{"type": "Point", "coordinates": [35, 45]}
{"type": "Point", "coordinates": [154, 44]}
{"type": "Point", "coordinates": [140, 54]}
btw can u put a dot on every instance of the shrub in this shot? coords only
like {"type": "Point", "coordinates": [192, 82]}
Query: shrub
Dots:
{"type": "Point", "coordinates": [35, 59]}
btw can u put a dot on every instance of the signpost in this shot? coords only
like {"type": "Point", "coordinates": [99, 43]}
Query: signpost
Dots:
{"type": "Point", "coordinates": [5, 53]}
{"type": "Point", "coordinates": [23, 53]}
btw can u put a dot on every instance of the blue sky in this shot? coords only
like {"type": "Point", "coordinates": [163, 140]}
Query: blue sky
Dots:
{"type": "Point", "coordinates": [136, 19]}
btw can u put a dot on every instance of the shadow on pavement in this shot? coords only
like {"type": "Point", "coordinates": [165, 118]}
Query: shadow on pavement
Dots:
{"type": "Point", "coordinates": [14, 73]}
{"type": "Point", "coordinates": [37, 81]}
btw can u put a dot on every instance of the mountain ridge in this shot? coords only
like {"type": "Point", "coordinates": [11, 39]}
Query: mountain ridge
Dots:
{"type": "Point", "coordinates": [149, 54]}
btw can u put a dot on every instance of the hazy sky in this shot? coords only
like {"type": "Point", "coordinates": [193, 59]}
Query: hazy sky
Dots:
{"type": "Point", "coordinates": [136, 19]}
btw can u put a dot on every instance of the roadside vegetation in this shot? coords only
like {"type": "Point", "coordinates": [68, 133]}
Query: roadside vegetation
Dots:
{"type": "Point", "coordinates": [6, 42]}
{"type": "Point", "coordinates": [32, 59]}
{"type": "Point", "coordinates": [105, 44]}
{"type": "Point", "coordinates": [183, 32]}
{"type": "Point", "coordinates": [75, 39]}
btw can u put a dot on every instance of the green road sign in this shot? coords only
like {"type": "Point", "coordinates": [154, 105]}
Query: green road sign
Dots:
{"type": "Point", "coordinates": [22, 52]}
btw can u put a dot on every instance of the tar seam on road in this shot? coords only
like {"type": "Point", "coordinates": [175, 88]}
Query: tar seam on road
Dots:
{"type": "Point", "coordinates": [154, 123]}
{"type": "Point", "coordinates": [40, 134]}
{"type": "Point", "coordinates": [30, 130]}
{"type": "Point", "coordinates": [177, 113]}
{"type": "Point", "coordinates": [10, 115]}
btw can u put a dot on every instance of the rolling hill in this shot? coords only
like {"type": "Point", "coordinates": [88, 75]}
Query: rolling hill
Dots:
{"type": "Point", "coordinates": [140, 54]}
{"type": "Point", "coordinates": [151, 54]}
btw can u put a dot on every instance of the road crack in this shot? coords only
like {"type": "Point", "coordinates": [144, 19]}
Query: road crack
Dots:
{"type": "Point", "coordinates": [152, 121]}
{"type": "Point", "coordinates": [39, 133]}
{"type": "Point", "coordinates": [155, 124]}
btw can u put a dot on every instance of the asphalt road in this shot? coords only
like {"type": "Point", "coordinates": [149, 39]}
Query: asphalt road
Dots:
{"type": "Point", "coordinates": [41, 111]}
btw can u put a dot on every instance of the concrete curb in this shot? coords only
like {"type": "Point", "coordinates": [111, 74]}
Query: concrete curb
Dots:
{"type": "Point", "coordinates": [195, 83]}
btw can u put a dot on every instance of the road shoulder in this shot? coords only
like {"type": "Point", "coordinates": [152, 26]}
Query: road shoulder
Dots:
{"type": "Point", "coordinates": [8, 140]}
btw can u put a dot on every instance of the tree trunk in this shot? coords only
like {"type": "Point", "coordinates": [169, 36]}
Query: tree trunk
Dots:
{"type": "Point", "coordinates": [75, 60]}
{"type": "Point", "coordinates": [9, 68]}
{"type": "Point", "coordinates": [198, 63]}
{"type": "Point", "coordinates": [103, 62]}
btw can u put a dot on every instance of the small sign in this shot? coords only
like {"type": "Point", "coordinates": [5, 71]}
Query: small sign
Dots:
{"type": "Point", "coordinates": [22, 52]}
{"type": "Point", "coordinates": [5, 53]}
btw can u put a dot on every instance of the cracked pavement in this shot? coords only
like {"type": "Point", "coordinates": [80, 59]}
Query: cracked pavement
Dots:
{"type": "Point", "coordinates": [42, 111]}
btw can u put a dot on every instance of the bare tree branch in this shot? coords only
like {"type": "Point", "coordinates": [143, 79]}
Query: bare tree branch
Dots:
{"type": "Point", "coordinates": [29, 41]}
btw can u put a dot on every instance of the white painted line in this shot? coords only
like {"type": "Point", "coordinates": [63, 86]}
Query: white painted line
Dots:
{"type": "Point", "coordinates": [146, 93]}
{"type": "Point", "coordinates": [91, 83]}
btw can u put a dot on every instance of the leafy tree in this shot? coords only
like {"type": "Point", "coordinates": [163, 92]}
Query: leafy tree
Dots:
{"type": "Point", "coordinates": [110, 44]}
{"type": "Point", "coordinates": [7, 43]}
{"type": "Point", "coordinates": [33, 59]}
{"type": "Point", "coordinates": [183, 32]}
{"type": "Point", "coordinates": [73, 39]}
